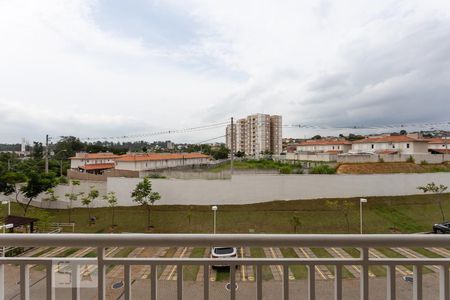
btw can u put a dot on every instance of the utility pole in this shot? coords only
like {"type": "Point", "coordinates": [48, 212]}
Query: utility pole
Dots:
{"type": "Point", "coordinates": [46, 153]}
{"type": "Point", "coordinates": [232, 146]}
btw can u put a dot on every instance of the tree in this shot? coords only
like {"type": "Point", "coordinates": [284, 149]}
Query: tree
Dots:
{"type": "Point", "coordinates": [51, 197]}
{"type": "Point", "coordinates": [345, 207]}
{"type": "Point", "coordinates": [10, 184]}
{"type": "Point", "coordinates": [36, 184]}
{"type": "Point", "coordinates": [72, 196]}
{"type": "Point", "coordinates": [144, 195]}
{"type": "Point", "coordinates": [88, 199]}
{"type": "Point", "coordinates": [437, 190]}
{"type": "Point", "coordinates": [296, 222]}
{"type": "Point", "coordinates": [316, 137]}
{"type": "Point", "coordinates": [239, 154]}
{"type": "Point", "coordinates": [111, 199]}
{"type": "Point", "coordinates": [37, 151]}
{"type": "Point", "coordinates": [67, 146]}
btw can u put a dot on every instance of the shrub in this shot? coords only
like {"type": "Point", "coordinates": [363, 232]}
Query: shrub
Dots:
{"type": "Point", "coordinates": [322, 169]}
{"type": "Point", "coordinates": [424, 163]}
{"type": "Point", "coordinates": [380, 159]}
{"type": "Point", "coordinates": [410, 159]}
{"type": "Point", "coordinates": [285, 170]}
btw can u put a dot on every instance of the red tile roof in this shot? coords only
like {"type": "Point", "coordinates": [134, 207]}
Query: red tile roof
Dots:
{"type": "Point", "coordinates": [95, 156]}
{"type": "Point", "coordinates": [160, 156]}
{"type": "Point", "coordinates": [438, 141]}
{"type": "Point", "coordinates": [324, 142]}
{"type": "Point", "coordinates": [389, 139]}
{"type": "Point", "coordinates": [97, 167]}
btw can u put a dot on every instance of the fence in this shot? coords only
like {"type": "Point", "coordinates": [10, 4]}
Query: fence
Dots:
{"type": "Point", "coordinates": [101, 241]}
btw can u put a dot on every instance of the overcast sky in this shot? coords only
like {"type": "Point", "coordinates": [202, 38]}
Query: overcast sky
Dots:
{"type": "Point", "coordinates": [112, 67]}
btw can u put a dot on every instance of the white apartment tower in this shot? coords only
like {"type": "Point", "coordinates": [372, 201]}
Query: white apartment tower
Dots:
{"type": "Point", "coordinates": [256, 134]}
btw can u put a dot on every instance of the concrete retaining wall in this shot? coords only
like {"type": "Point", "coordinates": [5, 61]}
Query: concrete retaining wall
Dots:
{"type": "Point", "coordinates": [245, 189]}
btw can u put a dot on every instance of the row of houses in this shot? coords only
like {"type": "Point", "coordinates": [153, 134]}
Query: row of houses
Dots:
{"type": "Point", "coordinates": [331, 149]}
{"type": "Point", "coordinates": [97, 163]}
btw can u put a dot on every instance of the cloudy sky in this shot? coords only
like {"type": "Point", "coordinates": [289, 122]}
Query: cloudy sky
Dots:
{"type": "Point", "coordinates": [112, 67]}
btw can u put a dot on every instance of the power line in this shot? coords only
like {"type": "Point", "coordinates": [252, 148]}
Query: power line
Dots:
{"type": "Point", "coordinates": [212, 139]}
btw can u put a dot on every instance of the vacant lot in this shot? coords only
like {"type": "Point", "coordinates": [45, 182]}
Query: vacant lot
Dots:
{"type": "Point", "coordinates": [381, 215]}
{"type": "Point", "coordinates": [385, 168]}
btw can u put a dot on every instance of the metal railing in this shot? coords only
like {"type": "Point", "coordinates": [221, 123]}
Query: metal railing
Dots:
{"type": "Point", "coordinates": [102, 241]}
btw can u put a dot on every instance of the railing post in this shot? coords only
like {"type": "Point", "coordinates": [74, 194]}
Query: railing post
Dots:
{"type": "Point", "coordinates": [444, 283]}
{"type": "Point", "coordinates": [390, 284]}
{"type": "Point", "coordinates": [2, 282]}
{"type": "Point", "coordinates": [179, 282]}
{"type": "Point", "coordinates": [24, 282]}
{"type": "Point", "coordinates": [311, 282]}
{"type": "Point", "coordinates": [285, 282]}
{"type": "Point", "coordinates": [205, 282]}
{"type": "Point", "coordinates": [101, 273]}
{"type": "Point", "coordinates": [154, 282]}
{"type": "Point", "coordinates": [233, 282]}
{"type": "Point", "coordinates": [76, 276]}
{"type": "Point", "coordinates": [417, 282]}
{"type": "Point", "coordinates": [338, 282]}
{"type": "Point", "coordinates": [127, 281]}
{"type": "Point", "coordinates": [364, 279]}
{"type": "Point", "coordinates": [259, 282]}
{"type": "Point", "coordinates": [50, 283]}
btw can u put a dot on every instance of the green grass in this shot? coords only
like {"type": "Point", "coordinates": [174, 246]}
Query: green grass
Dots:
{"type": "Point", "coordinates": [222, 274]}
{"type": "Point", "coordinates": [427, 253]}
{"type": "Point", "coordinates": [91, 254]}
{"type": "Point", "coordinates": [323, 253]}
{"type": "Point", "coordinates": [394, 254]}
{"type": "Point", "coordinates": [40, 253]}
{"type": "Point", "coordinates": [299, 272]}
{"type": "Point", "coordinates": [170, 253]}
{"type": "Point", "coordinates": [190, 272]}
{"type": "Point", "coordinates": [378, 271]}
{"type": "Point", "coordinates": [67, 252]}
{"type": "Point", "coordinates": [403, 214]}
{"type": "Point", "coordinates": [123, 252]}
{"type": "Point", "coordinates": [254, 164]}
{"type": "Point", "coordinates": [259, 253]}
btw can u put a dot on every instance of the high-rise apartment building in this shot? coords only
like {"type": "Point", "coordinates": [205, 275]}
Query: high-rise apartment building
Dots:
{"type": "Point", "coordinates": [256, 134]}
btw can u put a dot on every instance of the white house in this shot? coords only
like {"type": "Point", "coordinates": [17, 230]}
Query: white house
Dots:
{"type": "Point", "coordinates": [439, 145]}
{"type": "Point", "coordinates": [330, 146]}
{"type": "Point", "coordinates": [400, 144]}
{"type": "Point", "coordinates": [93, 162]}
{"type": "Point", "coordinates": [154, 161]}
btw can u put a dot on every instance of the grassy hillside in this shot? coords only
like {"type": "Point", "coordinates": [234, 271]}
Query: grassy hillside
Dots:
{"type": "Point", "coordinates": [381, 215]}
{"type": "Point", "coordinates": [385, 168]}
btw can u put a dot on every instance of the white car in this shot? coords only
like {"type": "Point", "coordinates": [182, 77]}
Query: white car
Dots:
{"type": "Point", "coordinates": [223, 253]}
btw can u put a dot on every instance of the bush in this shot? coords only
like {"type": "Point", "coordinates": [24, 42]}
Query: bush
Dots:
{"type": "Point", "coordinates": [424, 163]}
{"type": "Point", "coordinates": [410, 159]}
{"type": "Point", "coordinates": [322, 169]}
{"type": "Point", "coordinates": [285, 170]}
{"type": "Point", "coordinates": [380, 159]}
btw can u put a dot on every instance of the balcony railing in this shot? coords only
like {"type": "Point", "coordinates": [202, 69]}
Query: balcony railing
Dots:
{"type": "Point", "coordinates": [103, 241]}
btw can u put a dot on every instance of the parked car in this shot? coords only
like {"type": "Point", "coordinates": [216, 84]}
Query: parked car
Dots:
{"type": "Point", "coordinates": [223, 253]}
{"type": "Point", "coordinates": [441, 228]}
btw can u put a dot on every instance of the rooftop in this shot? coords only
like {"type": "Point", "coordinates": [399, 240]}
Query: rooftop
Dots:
{"type": "Point", "coordinates": [390, 139]}
{"type": "Point", "coordinates": [159, 156]}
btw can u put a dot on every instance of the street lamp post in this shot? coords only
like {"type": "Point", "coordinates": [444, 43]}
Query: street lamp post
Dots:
{"type": "Point", "coordinates": [214, 209]}
{"type": "Point", "coordinates": [361, 201]}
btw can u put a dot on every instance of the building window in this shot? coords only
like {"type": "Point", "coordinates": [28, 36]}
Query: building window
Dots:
{"type": "Point", "coordinates": [393, 146]}
{"type": "Point", "coordinates": [407, 146]}
{"type": "Point", "coordinates": [373, 146]}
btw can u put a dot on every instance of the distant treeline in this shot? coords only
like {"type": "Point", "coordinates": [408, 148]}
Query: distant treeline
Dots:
{"type": "Point", "coordinates": [10, 147]}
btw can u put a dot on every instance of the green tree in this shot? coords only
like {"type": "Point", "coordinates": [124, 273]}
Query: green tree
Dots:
{"type": "Point", "coordinates": [36, 184]}
{"type": "Point", "coordinates": [296, 222]}
{"type": "Point", "coordinates": [87, 200]}
{"type": "Point", "coordinates": [67, 146]}
{"type": "Point", "coordinates": [111, 199]}
{"type": "Point", "coordinates": [11, 183]}
{"type": "Point", "coordinates": [438, 190]}
{"type": "Point", "coordinates": [72, 197]}
{"type": "Point", "coordinates": [144, 195]}
{"type": "Point", "coordinates": [50, 197]}
{"type": "Point", "coordinates": [37, 151]}
{"type": "Point", "coordinates": [345, 207]}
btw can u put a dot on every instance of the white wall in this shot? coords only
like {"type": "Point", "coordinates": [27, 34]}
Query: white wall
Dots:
{"type": "Point", "coordinates": [323, 148]}
{"type": "Point", "coordinates": [244, 189]}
